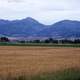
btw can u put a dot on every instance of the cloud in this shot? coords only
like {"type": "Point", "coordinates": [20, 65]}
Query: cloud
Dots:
{"type": "Point", "coordinates": [13, 1]}
{"type": "Point", "coordinates": [43, 10]}
{"type": "Point", "coordinates": [42, 4]}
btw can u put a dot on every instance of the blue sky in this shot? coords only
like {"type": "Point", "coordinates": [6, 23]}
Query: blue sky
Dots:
{"type": "Point", "coordinates": [45, 11]}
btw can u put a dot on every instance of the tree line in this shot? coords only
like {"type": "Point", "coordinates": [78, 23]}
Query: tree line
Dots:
{"type": "Point", "coordinates": [55, 41]}
{"type": "Point", "coordinates": [49, 40]}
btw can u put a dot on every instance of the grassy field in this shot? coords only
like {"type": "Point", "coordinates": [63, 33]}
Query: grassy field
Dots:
{"type": "Point", "coordinates": [31, 61]}
{"type": "Point", "coordinates": [38, 44]}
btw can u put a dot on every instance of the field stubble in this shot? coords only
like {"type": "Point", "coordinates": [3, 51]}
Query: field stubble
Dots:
{"type": "Point", "coordinates": [15, 60]}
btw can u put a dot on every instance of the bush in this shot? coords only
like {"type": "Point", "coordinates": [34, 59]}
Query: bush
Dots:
{"type": "Point", "coordinates": [4, 39]}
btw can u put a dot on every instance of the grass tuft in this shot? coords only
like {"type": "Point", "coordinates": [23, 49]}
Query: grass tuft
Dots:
{"type": "Point", "coordinates": [68, 74]}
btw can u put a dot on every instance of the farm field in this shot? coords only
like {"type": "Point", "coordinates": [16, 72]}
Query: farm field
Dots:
{"type": "Point", "coordinates": [18, 60]}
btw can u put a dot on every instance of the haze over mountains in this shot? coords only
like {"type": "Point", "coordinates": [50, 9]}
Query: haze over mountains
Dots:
{"type": "Point", "coordinates": [29, 27]}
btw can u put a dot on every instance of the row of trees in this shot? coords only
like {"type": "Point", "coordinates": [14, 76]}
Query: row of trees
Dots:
{"type": "Point", "coordinates": [50, 40]}
{"type": "Point", "coordinates": [4, 39]}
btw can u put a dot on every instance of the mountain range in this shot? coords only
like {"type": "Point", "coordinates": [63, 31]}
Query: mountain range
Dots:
{"type": "Point", "coordinates": [31, 28]}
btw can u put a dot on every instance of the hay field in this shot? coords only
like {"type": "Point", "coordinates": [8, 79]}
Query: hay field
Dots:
{"type": "Point", "coordinates": [15, 60]}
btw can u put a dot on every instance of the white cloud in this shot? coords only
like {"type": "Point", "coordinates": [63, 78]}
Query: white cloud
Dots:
{"type": "Point", "coordinates": [45, 11]}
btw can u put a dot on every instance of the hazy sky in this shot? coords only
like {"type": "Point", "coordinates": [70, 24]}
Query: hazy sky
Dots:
{"type": "Point", "coordinates": [45, 11]}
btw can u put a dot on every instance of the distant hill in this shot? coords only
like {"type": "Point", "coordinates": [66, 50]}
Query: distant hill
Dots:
{"type": "Point", "coordinates": [62, 29]}
{"type": "Point", "coordinates": [20, 28]}
{"type": "Point", "coordinates": [29, 27]}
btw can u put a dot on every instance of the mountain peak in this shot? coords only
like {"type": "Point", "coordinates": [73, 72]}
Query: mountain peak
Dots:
{"type": "Point", "coordinates": [69, 21]}
{"type": "Point", "coordinates": [30, 19]}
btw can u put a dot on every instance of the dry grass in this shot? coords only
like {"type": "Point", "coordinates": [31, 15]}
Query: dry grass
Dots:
{"type": "Point", "coordinates": [33, 60]}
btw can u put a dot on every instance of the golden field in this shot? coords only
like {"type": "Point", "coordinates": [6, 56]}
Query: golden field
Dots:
{"type": "Point", "coordinates": [15, 60]}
